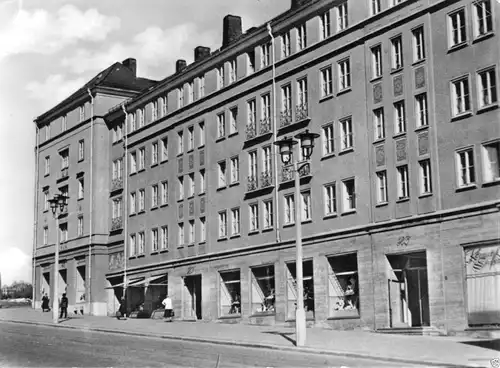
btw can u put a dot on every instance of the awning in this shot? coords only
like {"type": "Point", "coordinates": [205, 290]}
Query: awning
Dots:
{"type": "Point", "coordinates": [115, 286]}
{"type": "Point", "coordinates": [131, 283]}
{"type": "Point", "coordinates": [138, 282]}
{"type": "Point", "coordinates": [159, 280]}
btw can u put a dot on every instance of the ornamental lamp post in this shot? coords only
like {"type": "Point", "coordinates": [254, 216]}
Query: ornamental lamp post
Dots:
{"type": "Point", "coordinates": [58, 204]}
{"type": "Point", "coordinates": [285, 145]}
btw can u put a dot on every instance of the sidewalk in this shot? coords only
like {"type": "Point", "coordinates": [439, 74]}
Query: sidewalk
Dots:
{"type": "Point", "coordinates": [441, 351]}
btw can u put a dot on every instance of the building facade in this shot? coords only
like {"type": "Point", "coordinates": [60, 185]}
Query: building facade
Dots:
{"type": "Point", "coordinates": [399, 202]}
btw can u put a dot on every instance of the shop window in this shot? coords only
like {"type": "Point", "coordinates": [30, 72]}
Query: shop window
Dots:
{"type": "Point", "coordinates": [308, 282]}
{"type": "Point", "coordinates": [80, 284]}
{"type": "Point", "coordinates": [483, 277]}
{"type": "Point", "coordinates": [343, 291]}
{"type": "Point", "coordinates": [263, 290]}
{"type": "Point", "coordinates": [230, 293]}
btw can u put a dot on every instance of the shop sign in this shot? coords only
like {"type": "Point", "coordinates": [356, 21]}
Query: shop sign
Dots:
{"type": "Point", "coordinates": [482, 259]}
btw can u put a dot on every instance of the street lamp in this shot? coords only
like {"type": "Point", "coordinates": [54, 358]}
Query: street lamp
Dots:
{"type": "Point", "coordinates": [286, 152]}
{"type": "Point", "coordinates": [58, 204]}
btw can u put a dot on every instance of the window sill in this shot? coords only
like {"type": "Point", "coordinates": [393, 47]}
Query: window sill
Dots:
{"type": "Point", "coordinates": [132, 257]}
{"type": "Point", "coordinates": [45, 175]}
{"type": "Point", "coordinates": [457, 47]}
{"type": "Point", "coordinates": [234, 184]}
{"type": "Point", "coordinates": [163, 205]}
{"type": "Point", "coordinates": [180, 246]}
{"type": "Point", "coordinates": [222, 188]}
{"type": "Point", "coordinates": [231, 316]}
{"type": "Point", "coordinates": [141, 170]}
{"type": "Point", "coordinates": [402, 200]}
{"type": "Point", "coordinates": [425, 195]}
{"type": "Point", "coordinates": [353, 316]}
{"type": "Point", "coordinates": [220, 139]}
{"type": "Point", "coordinates": [180, 154]}
{"type": "Point", "coordinates": [487, 108]}
{"type": "Point", "coordinates": [201, 194]}
{"type": "Point", "coordinates": [224, 238]}
{"type": "Point", "coordinates": [132, 214]}
{"type": "Point", "coordinates": [190, 150]}
{"type": "Point", "coordinates": [397, 70]}
{"type": "Point", "coordinates": [201, 146]}
{"type": "Point", "coordinates": [232, 134]}
{"type": "Point", "coordinates": [133, 173]}
{"type": "Point", "coordinates": [466, 187]}
{"type": "Point", "coordinates": [326, 98]}
{"type": "Point", "coordinates": [154, 208]}
{"type": "Point", "coordinates": [235, 236]}
{"type": "Point", "coordinates": [483, 37]}
{"type": "Point", "coordinates": [79, 199]}
{"type": "Point", "coordinates": [382, 204]}
{"type": "Point", "coordinates": [141, 255]}
{"type": "Point", "coordinates": [348, 212]}
{"type": "Point", "coordinates": [267, 229]}
{"type": "Point", "coordinates": [180, 200]}
{"type": "Point", "coordinates": [330, 216]}
{"type": "Point", "coordinates": [418, 62]}
{"type": "Point", "coordinates": [376, 79]}
{"type": "Point", "coordinates": [81, 160]}
{"type": "Point", "coordinates": [163, 161]}
{"type": "Point", "coordinates": [191, 244]}
{"type": "Point", "coordinates": [202, 242]}
{"type": "Point", "coordinates": [421, 128]}
{"type": "Point", "coordinates": [379, 140]}
{"type": "Point", "coordinates": [262, 314]}
{"type": "Point", "coordinates": [327, 156]}
{"type": "Point", "coordinates": [154, 253]}
{"type": "Point", "coordinates": [461, 116]}
{"type": "Point", "coordinates": [253, 232]}
{"type": "Point", "coordinates": [141, 212]}
{"type": "Point", "coordinates": [344, 91]}
{"type": "Point", "coordinates": [347, 150]}
{"type": "Point", "coordinates": [399, 135]}
{"type": "Point", "coordinates": [154, 165]}
{"type": "Point", "coordinates": [190, 197]}
{"type": "Point", "coordinates": [308, 221]}
{"type": "Point", "coordinates": [493, 182]}
{"type": "Point", "coordinates": [289, 225]}
{"type": "Point", "coordinates": [163, 251]}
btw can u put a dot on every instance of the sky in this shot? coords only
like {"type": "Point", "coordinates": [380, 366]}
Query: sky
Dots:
{"type": "Point", "coordinates": [49, 48]}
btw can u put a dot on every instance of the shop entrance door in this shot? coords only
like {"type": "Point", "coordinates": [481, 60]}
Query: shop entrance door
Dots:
{"type": "Point", "coordinates": [408, 290]}
{"type": "Point", "coordinates": [192, 301]}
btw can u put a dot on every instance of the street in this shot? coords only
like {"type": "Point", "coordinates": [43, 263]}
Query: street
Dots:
{"type": "Point", "coordinates": [38, 346]}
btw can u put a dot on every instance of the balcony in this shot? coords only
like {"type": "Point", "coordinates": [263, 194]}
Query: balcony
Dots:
{"type": "Point", "coordinates": [304, 170]}
{"type": "Point", "coordinates": [266, 179]}
{"type": "Point", "coordinates": [301, 112]}
{"type": "Point", "coordinates": [252, 183]}
{"type": "Point", "coordinates": [285, 118]}
{"type": "Point", "coordinates": [116, 223]}
{"type": "Point", "coordinates": [286, 174]}
{"type": "Point", "coordinates": [116, 184]}
{"type": "Point", "coordinates": [63, 175]}
{"type": "Point", "coordinates": [251, 130]}
{"type": "Point", "coordinates": [265, 125]}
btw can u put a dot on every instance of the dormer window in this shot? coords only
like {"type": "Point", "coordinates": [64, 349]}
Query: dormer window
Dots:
{"type": "Point", "coordinates": [265, 56]}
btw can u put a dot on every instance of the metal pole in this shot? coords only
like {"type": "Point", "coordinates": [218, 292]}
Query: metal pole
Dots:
{"type": "Point", "coordinates": [300, 314]}
{"type": "Point", "coordinates": [55, 304]}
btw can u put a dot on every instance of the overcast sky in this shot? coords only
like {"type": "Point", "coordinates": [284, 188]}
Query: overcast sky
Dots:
{"type": "Point", "coordinates": [49, 48]}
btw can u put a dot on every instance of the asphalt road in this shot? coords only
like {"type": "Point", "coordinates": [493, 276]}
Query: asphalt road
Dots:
{"type": "Point", "coordinates": [39, 346]}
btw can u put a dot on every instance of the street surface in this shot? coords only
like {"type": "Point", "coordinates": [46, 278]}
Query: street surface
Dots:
{"type": "Point", "coordinates": [39, 346]}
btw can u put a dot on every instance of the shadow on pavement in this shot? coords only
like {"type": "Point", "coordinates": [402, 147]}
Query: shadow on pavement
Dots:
{"type": "Point", "coordinates": [493, 344]}
{"type": "Point", "coordinates": [285, 335]}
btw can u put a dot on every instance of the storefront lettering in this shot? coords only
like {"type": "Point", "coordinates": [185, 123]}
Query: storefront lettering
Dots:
{"type": "Point", "coordinates": [403, 241]}
{"type": "Point", "coordinates": [478, 258]}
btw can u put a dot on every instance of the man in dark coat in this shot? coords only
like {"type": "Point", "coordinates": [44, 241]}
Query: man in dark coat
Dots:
{"type": "Point", "coordinates": [122, 311]}
{"type": "Point", "coordinates": [64, 306]}
{"type": "Point", "coordinates": [45, 303]}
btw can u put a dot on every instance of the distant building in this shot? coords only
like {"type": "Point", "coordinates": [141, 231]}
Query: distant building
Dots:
{"type": "Point", "coordinates": [400, 203]}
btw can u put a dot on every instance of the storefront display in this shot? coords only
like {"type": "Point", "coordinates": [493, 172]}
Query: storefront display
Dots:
{"type": "Point", "coordinates": [343, 292]}
{"type": "Point", "coordinates": [230, 293]}
{"type": "Point", "coordinates": [263, 290]}
{"type": "Point", "coordinates": [308, 284]}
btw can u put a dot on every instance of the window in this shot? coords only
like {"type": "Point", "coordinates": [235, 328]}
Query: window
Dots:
{"type": "Point", "coordinates": [45, 235]}
{"type": "Point", "coordinates": [47, 132]}
{"type": "Point", "coordinates": [301, 37]}
{"type": "Point", "coordinates": [117, 133]}
{"type": "Point", "coordinates": [254, 216]}
{"type": "Point", "coordinates": [330, 199]}
{"type": "Point", "coordinates": [222, 174]}
{"type": "Point", "coordinates": [81, 150]}
{"type": "Point", "coordinates": [344, 74]}
{"type": "Point", "coordinates": [132, 203]}
{"type": "Point", "coordinates": [142, 158]}
{"type": "Point", "coordinates": [164, 105]}
{"type": "Point", "coordinates": [289, 209]}
{"type": "Point", "coordinates": [133, 248]}
{"type": "Point", "coordinates": [202, 181]}
{"type": "Point", "coordinates": [201, 86]}
{"type": "Point", "coordinates": [47, 165]}
{"type": "Point", "coordinates": [164, 192]}
{"type": "Point", "coordinates": [230, 293]}
{"type": "Point", "coordinates": [46, 204]}
{"type": "Point", "coordinates": [233, 120]}
{"type": "Point", "coordinates": [133, 121]}
{"type": "Point", "coordinates": [222, 224]}
{"type": "Point", "coordinates": [375, 6]}
{"type": "Point", "coordinates": [142, 117]}
{"type": "Point", "coordinates": [266, 160]}
{"type": "Point", "coordinates": [251, 62]}
{"type": "Point", "coordinates": [80, 188]}
{"type": "Point", "coordinates": [397, 52]}
{"type": "Point", "coordinates": [201, 130]}
{"type": "Point", "coordinates": [191, 185]}
{"type": "Point", "coordinates": [268, 214]}
{"type": "Point", "coordinates": [142, 243]}
{"type": "Point", "coordinates": [324, 25]}
{"type": "Point", "coordinates": [421, 107]}
{"type": "Point", "coordinates": [286, 48]}
{"type": "Point", "coordinates": [376, 61]}
{"type": "Point", "coordinates": [221, 125]}
{"type": "Point", "coordinates": [232, 71]}
{"type": "Point", "coordinates": [191, 232]}
{"type": "Point", "coordinates": [465, 167]}
{"type": "Point", "coordinates": [203, 230]}
{"type": "Point", "coordinates": [142, 199]}
{"type": "Point", "coordinates": [252, 165]}
{"type": "Point", "coordinates": [308, 287]}
{"type": "Point", "coordinates": [190, 138]}
{"type": "Point", "coordinates": [251, 113]}
{"type": "Point", "coordinates": [235, 221]}
{"type": "Point", "coordinates": [180, 142]}
{"type": "Point", "coordinates": [487, 89]}
{"type": "Point", "coordinates": [328, 139]}
{"type": "Point", "coordinates": [418, 44]}
{"type": "Point", "coordinates": [326, 82]}
{"type": "Point", "coordinates": [403, 183]}
{"type": "Point", "coordinates": [154, 195]}
{"type": "Point", "coordinates": [265, 56]}
{"type": "Point", "coordinates": [181, 239]}
{"type": "Point", "coordinates": [491, 161]}
{"type": "Point", "coordinates": [235, 170]}
{"type": "Point", "coordinates": [64, 123]}
{"type": "Point", "coordinates": [164, 237]}
{"type": "Point", "coordinates": [117, 208]}
{"type": "Point", "coordinates": [343, 291]}
{"type": "Point", "coordinates": [460, 96]}
{"type": "Point", "coordinates": [265, 109]}
{"type": "Point", "coordinates": [181, 188]}
{"type": "Point", "coordinates": [302, 92]}
{"type": "Point", "coordinates": [483, 22]}
{"type": "Point", "coordinates": [306, 210]}
{"type": "Point", "coordinates": [164, 149]}
{"type": "Point", "coordinates": [190, 88]}
{"type": "Point", "coordinates": [457, 28]}
{"type": "Point", "coordinates": [425, 180]}
{"type": "Point", "coordinates": [63, 232]}
{"type": "Point", "coordinates": [342, 16]}
{"type": "Point", "coordinates": [154, 240]}
{"type": "Point", "coordinates": [399, 117]}
{"type": "Point", "coordinates": [346, 139]}
{"type": "Point", "coordinates": [348, 195]}
{"type": "Point", "coordinates": [263, 290]}
{"type": "Point", "coordinates": [64, 154]}
{"type": "Point", "coordinates": [180, 96]}
{"type": "Point", "coordinates": [382, 187]}
{"type": "Point", "coordinates": [81, 113]}
{"type": "Point", "coordinates": [379, 123]}
{"type": "Point", "coordinates": [286, 99]}
{"type": "Point", "coordinates": [154, 110]}
{"type": "Point", "coordinates": [220, 77]}
{"type": "Point", "coordinates": [64, 190]}
{"type": "Point", "coordinates": [154, 153]}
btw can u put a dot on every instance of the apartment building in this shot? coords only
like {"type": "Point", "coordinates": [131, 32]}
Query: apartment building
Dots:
{"type": "Point", "coordinates": [399, 202]}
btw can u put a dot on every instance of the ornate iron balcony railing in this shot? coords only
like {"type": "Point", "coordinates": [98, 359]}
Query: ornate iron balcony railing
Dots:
{"type": "Point", "coordinates": [252, 183]}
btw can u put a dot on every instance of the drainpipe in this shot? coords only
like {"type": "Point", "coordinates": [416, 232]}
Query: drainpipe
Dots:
{"type": "Point", "coordinates": [91, 195]}
{"type": "Point", "coordinates": [35, 220]}
{"type": "Point", "coordinates": [125, 202]}
{"type": "Point", "coordinates": [275, 135]}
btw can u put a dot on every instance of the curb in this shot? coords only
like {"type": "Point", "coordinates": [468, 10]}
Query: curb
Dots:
{"type": "Point", "coordinates": [247, 344]}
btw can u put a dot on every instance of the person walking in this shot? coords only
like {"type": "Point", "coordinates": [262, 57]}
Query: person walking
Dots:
{"type": "Point", "coordinates": [45, 303]}
{"type": "Point", "coordinates": [122, 311]}
{"type": "Point", "coordinates": [64, 306]}
{"type": "Point", "coordinates": [169, 313]}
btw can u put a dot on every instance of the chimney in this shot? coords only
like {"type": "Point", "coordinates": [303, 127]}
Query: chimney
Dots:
{"type": "Point", "coordinates": [201, 52]}
{"type": "Point", "coordinates": [180, 65]}
{"type": "Point", "coordinates": [231, 29]}
{"type": "Point", "coordinates": [131, 64]}
{"type": "Point", "coordinates": [298, 3]}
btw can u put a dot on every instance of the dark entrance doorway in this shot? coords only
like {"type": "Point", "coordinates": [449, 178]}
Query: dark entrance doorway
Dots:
{"type": "Point", "coordinates": [408, 290]}
{"type": "Point", "coordinates": [192, 297]}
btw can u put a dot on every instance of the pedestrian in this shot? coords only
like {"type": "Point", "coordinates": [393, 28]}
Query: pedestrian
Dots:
{"type": "Point", "coordinates": [45, 303]}
{"type": "Point", "coordinates": [64, 306]}
{"type": "Point", "coordinates": [169, 313]}
{"type": "Point", "coordinates": [122, 311]}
